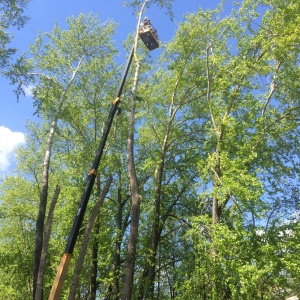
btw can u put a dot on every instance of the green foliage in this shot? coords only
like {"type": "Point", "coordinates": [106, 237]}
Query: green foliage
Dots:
{"type": "Point", "coordinates": [249, 263]}
{"type": "Point", "coordinates": [12, 14]}
{"type": "Point", "coordinates": [17, 231]}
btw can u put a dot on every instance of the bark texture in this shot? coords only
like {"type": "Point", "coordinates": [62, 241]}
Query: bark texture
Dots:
{"type": "Point", "coordinates": [135, 197]}
{"type": "Point", "coordinates": [47, 232]}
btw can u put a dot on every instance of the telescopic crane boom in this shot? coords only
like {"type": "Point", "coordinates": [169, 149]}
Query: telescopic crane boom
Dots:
{"type": "Point", "coordinates": [148, 35]}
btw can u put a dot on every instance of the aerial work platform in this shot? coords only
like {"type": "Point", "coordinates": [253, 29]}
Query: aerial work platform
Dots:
{"type": "Point", "coordinates": [149, 35]}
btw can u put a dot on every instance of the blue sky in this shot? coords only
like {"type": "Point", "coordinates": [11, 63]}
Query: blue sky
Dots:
{"type": "Point", "coordinates": [43, 15]}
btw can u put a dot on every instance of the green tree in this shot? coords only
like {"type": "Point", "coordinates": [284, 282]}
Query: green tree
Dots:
{"type": "Point", "coordinates": [243, 128]}
{"type": "Point", "coordinates": [12, 15]}
{"type": "Point", "coordinates": [247, 105]}
{"type": "Point", "coordinates": [61, 61]}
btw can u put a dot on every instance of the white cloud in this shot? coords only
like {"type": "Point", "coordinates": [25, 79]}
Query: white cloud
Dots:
{"type": "Point", "coordinates": [9, 140]}
{"type": "Point", "coordinates": [28, 90]}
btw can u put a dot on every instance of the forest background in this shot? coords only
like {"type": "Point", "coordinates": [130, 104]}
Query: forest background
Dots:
{"type": "Point", "coordinates": [197, 194]}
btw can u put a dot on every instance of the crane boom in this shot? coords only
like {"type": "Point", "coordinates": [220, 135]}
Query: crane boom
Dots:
{"type": "Point", "coordinates": [66, 258]}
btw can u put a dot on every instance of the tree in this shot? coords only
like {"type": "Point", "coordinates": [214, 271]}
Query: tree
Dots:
{"type": "Point", "coordinates": [242, 141]}
{"type": "Point", "coordinates": [12, 14]}
{"type": "Point", "coordinates": [16, 247]}
{"type": "Point", "coordinates": [133, 180]}
{"type": "Point", "coordinates": [54, 70]}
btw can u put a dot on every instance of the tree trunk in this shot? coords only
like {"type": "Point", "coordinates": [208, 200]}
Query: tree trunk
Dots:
{"type": "Point", "coordinates": [44, 186]}
{"type": "Point", "coordinates": [87, 232]}
{"type": "Point", "coordinates": [117, 255]}
{"type": "Point", "coordinates": [158, 222]}
{"type": "Point", "coordinates": [155, 233]}
{"type": "Point", "coordinates": [135, 197]}
{"type": "Point", "coordinates": [135, 209]}
{"type": "Point", "coordinates": [216, 208]}
{"type": "Point", "coordinates": [41, 273]}
{"type": "Point", "coordinates": [95, 248]}
{"type": "Point", "coordinates": [42, 210]}
{"type": "Point", "coordinates": [94, 264]}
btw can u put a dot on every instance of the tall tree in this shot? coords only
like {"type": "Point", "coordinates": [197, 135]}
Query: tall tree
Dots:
{"type": "Point", "coordinates": [55, 69]}
{"type": "Point", "coordinates": [133, 180]}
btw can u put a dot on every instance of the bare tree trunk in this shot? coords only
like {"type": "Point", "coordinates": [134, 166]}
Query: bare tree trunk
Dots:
{"type": "Point", "coordinates": [135, 197]}
{"type": "Point", "coordinates": [88, 229]}
{"type": "Point", "coordinates": [47, 232]}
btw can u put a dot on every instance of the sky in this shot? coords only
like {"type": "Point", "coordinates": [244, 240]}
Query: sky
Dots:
{"type": "Point", "coordinates": [43, 15]}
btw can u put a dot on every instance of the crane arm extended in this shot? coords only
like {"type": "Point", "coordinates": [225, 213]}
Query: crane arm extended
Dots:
{"type": "Point", "coordinates": [66, 258]}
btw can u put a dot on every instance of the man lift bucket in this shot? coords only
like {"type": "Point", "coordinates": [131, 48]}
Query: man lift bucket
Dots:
{"type": "Point", "coordinates": [148, 34]}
